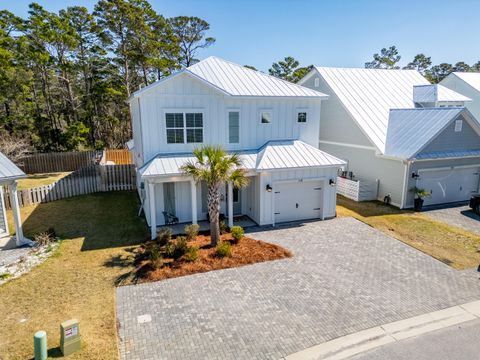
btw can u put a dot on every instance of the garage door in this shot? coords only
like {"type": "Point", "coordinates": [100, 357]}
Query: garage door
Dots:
{"type": "Point", "coordinates": [450, 185]}
{"type": "Point", "coordinates": [298, 201]}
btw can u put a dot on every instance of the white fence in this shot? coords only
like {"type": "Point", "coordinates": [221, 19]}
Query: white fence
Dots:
{"type": "Point", "coordinates": [358, 190]}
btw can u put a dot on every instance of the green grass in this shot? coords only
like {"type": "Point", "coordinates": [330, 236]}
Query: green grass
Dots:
{"type": "Point", "coordinates": [449, 244]}
{"type": "Point", "coordinates": [35, 180]}
{"type": "Point", "coordinates": [78, 281]}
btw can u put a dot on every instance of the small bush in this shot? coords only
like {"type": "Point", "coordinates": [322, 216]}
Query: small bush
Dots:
{"type": "Point", "coordinates": [164, 236]}
{"type": "Point", "coordinates": [223, 249]}
{"type": "Point", "coordinates": [223, 227]}
{"type": "Point", "coordinates": [191, 231]}
{"type": "Point", "coordinates": [44, 238]}
{"type": "Point", "coordinates": [155, 257]}
{"type": "Point", "coordinates": [178, 248]}
{"type": "Point", "coordinates": [191, 254]}
{"type": "Point", "coordinates": [237, 234]}
{"type": "Point", "coordinates": [5, 276]}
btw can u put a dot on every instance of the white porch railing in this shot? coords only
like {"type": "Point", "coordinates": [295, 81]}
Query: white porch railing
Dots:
{"type": "Point", "coordinates": [358, 190]}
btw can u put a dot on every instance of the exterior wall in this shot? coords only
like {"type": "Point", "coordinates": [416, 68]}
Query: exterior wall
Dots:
{"type": "Point", "coordinates": [266, 198]}
{"type": "Point", "coordinates": [336, 123]}
{"type": "Point", "coordinates": [366, 165]}
{"type": "Point", "coordinates": [186, 93]}
{"type": "Point", "coordinates": [454, 83]}
{"type": "Point", "coordinates": [137, 131]}
{"type": "Point", "coordinates": [3, 219]}
{"type": "Point", "coordinates": [467, 139]}
{"type": "Point", "coordinates": [431, 164]}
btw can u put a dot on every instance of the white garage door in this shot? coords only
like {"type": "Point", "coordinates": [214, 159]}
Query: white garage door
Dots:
{"type": "Point", "coordinates": [449, 185]}
{"type": "Point", "coordinates": [298, 201]}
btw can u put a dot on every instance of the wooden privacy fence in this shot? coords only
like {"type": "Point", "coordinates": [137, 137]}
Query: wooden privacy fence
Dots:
{"type": "Point", "coordinates": [117, 157]}
{"type": "Point", "coordinates": [358, 190]}
{"type": "Point", "coordinates": [86, 180]}
{"type": "Point", "coordinates": [60, 161]}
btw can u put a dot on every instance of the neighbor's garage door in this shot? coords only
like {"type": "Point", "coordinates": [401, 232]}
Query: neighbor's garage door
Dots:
{"type": "Point", "coordinates": [298, 201]}
{"type": "Point", "coordinates": [449, 185]}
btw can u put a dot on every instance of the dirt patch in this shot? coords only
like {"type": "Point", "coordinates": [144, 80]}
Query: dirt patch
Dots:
{"type": "Point", "coordinates": [247, 251]}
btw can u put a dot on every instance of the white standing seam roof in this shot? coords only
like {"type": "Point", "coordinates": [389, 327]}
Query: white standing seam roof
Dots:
{"type": "Point", "coordinates": [236, 80]}
{"type": "Point", "coordinates": [436, 92]}
{"type": "Point", "coordinates": [292, 154]}
{"type": "Point", "coordinates": [275, 155]}
{"type": "Point", "coordinates": [471, 78]}
{"type": "Point", "coordinates": [369, 94]}
{"type": "Point", "coordinates": [8, 170]}
{"type": "Point", "coordinates": [446, 94]}
{"type": "Point", "coordinates": [409, 130]}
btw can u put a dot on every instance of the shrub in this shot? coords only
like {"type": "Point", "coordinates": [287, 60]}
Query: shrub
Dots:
{"type": "Point", "coordinates": [191, 231]}
{"type": "Point", "coordinates": [237, 233]}
{"type": "Point", "coordinates": [223, 227]}
{"type": "Point", "coordinates": [155, 257]}
{"type": "Point", "coordinates": [178, 248]}
{"type": "Point", "coordinates": [44, 238]}
{"type": "Point", "coordinates": [164, 236]}
{"type": "Point", "coordinates": [223, 249]}
{"type": "Point", "coordinates": [191, 254]}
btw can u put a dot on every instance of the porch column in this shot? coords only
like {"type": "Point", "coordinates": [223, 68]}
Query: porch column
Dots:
{"type": "Point", "coordinates": [153, 210]}
{"type": "Point", "coordinates": [230, 204]}
{"type": "Point", "coordinates": [16, 215]}
{"type": "Point", "coordinates": [3, 209]}
{"type": "Point", "coordinates": [193, 188]}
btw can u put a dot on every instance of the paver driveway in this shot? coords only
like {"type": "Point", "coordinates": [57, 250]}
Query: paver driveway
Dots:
{"type": "Point", "coordinates": [457, 215]}
{"type": "Point", "coordinates": [345, 277]}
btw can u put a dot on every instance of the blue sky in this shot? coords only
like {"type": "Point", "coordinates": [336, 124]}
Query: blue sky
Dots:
{"type": "Point", "coordinates": [326, 33]}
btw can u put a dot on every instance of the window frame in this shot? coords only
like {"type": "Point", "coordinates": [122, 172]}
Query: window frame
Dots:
{"type": "Point", "coordinates": [233, 110]}
{"type": "Point", "coordinates": [175, 128]}
{"type": "Point", "coordinates": [458, 125]}
{"type": "Point", "coordinates": [184, 112]}
{"type": "Point", "coordinates": [261, 112]}
{"type": "Point", "coordinates": [192, 127]}
{"type": "Point", "coordinates": [307, 115]}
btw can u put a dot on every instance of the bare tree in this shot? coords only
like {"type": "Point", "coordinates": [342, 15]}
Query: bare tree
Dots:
{"type": "Point", "coordinates": [16, 149]}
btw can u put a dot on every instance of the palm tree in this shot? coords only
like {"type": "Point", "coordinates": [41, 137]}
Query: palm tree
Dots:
{"type": "Point", "coordinates": [214, 166]}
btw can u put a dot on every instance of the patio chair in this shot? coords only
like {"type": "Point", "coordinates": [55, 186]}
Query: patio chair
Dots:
{"type": "Point", "coordinates": [169, 218]}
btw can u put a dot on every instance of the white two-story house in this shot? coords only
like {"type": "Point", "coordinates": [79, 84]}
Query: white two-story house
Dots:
{"type": "Point", "coordinates": [272, 124]}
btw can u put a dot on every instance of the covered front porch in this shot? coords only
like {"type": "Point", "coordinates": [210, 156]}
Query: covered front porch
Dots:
{"type": "Point", "coordinates": [243, 220]}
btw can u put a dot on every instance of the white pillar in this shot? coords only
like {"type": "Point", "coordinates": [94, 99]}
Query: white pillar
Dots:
{"type": "Point", "coordinates": [193, 187]}
{"type": "Point", "coordinates": [230, 204]}
{"type": "Point", "coordinates": [3, 209]}
{"type": "Point", "coordinates": [16, 215]}
{"type": "Point", "coordinates": [153, 210]}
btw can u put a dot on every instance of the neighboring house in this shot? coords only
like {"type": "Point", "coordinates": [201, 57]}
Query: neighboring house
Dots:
{"type": "Point", "coordinates": [272, 124]}
{"type": "Point", "coordinates": [9, 174]}
{"type": "Point", "coordinates": [467, 84]}
{"type": "Point", "coordinates": [394, 127]}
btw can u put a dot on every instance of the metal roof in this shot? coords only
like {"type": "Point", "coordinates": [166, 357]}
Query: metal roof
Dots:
{"type": "Point", "coordinates": [291, 154]}
{"type": "Point", "coordinates": [448, 154]}
{"type": "Point", "coordinates": [436, 92]}
{"type": "Point", "coordinates": [237, 80]}
{"type": "Point", "coordinates": [471, 78]}
{"type": "Point", "coordinates": [410, 130]}
{"type": "Point", "coordinates": [274, 155]}
{"type": "Point", "coordinates": [8, 170]}
{"type": "Point", "coordinates": [369, 94]}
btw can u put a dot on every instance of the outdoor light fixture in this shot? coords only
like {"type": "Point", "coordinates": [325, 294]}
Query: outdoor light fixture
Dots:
{"type": "Point", "coordinates": [415, 176]}
{"type": "Point", "coordinates": [332, 182]}
{"type": "Point", "coordinates": [268, 188]}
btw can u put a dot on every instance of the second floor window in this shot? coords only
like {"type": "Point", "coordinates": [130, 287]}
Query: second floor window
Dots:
{"type": "Point", "coordinates": [233, 127]}
{"type": "Point", "coordinates": [184, 126]}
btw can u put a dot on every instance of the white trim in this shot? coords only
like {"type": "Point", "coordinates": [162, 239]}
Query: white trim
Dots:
{"type": "Point", "coordinates": [4, 212]}
{"type": "Point", "coordinates": [447, 158]}
{"type": "Point", "coordinates": [153, 210]}
{"type": "Point", "coordinates": [184, 111]}
{"type": "Point", "coordinates": [448, 168]}
{"type": "Point", "coordinates": [347, 145]}
{"type": "Point", "coordinates": [230, 203]}
{"type": "Point", "coordinates": [406, 176]}
{"type": "Point", "coordinates": [193, 189]}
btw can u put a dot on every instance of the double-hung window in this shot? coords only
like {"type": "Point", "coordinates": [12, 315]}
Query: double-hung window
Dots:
{"type": "Point", "coordinates": [184, 127]}
{"type": "Point", "coordinates": [233, 127]}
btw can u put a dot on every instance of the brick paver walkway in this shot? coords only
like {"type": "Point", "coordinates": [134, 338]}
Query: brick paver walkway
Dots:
{"type": "Point", "coordinates": [345, 277]}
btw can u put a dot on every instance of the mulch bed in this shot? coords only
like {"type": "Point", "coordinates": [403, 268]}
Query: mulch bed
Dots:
{"type": "Point", "coordinates": [247, 251]}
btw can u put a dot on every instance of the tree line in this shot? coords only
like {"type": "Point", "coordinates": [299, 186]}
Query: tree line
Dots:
{"type": "Point", "coordinates": [65, 76]}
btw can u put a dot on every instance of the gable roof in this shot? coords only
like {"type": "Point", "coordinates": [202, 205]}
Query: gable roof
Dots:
{"type": "Point", "coordinates": [471, 78]}
{"type": "Point", "coordinates": [8, 170]}
{"type": "Point", "coordinates": [410, 130]}
{"type": "Point", "coordinates": [236, 80]}
{"type": "Point", "coordinates": [274, 155]}
{"type": "Point", "coordinates": [369, 94]}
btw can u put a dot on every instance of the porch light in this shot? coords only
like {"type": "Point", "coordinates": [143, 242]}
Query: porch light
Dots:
{"type": "Point", "coordinates": [331, 182]}
{"type": "Point", "coordinates": [415, 176]}
{"type": "Point", "coordinates": [268, 188]}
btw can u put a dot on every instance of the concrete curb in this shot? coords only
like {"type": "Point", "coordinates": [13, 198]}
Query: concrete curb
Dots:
{"type": "Point", "coordinates": [353, 344]}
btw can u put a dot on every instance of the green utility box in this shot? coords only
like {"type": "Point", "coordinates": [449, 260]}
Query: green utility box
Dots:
{"type": "Point", "coordinates": [69, 337]}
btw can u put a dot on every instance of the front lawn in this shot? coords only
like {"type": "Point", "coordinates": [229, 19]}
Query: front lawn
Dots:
{"type": "Point", "coordinates": [449, 244]}
{"type": "Point", "coordinates": [76, 282]}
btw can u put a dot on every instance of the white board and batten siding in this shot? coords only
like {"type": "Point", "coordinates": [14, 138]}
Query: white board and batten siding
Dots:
{"type": "Point", "coordinates": [188, 94]}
